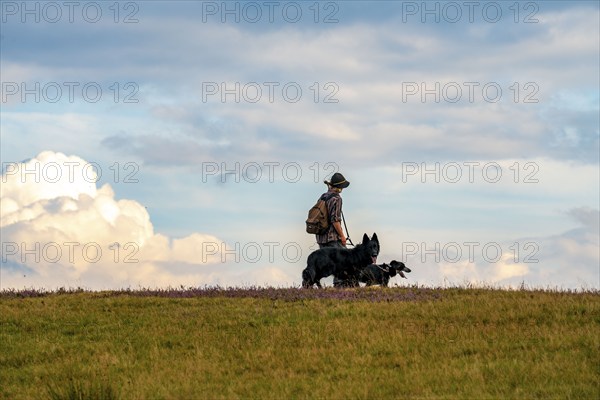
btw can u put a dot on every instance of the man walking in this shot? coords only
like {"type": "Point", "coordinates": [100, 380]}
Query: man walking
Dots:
{"type": "Point", "coordinates": [334, 235]}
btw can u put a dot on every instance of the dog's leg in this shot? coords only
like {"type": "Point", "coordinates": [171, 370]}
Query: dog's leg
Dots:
{"type": "Point", "coordinates": [386, 281]}
{"type": "Point", "coordinates": [308, 278]}
{"type": "Point", "coordinates": [305, 280]}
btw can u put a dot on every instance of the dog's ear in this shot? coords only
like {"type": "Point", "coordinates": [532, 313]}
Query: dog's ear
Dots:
{"type": "Point", "coordinates": [365, 238]}
{"type": "Point", "coordinates": [375, 238]}
{"type": "Point", "coordinates": [392, 272]}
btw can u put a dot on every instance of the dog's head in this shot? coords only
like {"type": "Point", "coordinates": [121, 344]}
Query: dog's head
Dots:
{"type": "Point", "coordinates": [391, 271]}
{"type": "Point", "coordinates": [399, 267]}
{"type": "Point", "coordinates": [372, 246]}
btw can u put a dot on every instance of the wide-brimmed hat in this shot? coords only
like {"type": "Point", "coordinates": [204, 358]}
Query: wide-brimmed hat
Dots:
{"type": "Point", "coordinates": [338, 181]}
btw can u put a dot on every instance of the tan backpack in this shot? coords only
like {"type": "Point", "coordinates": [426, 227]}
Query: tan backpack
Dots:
{"type": "Point", "coordinates": [317, 222]}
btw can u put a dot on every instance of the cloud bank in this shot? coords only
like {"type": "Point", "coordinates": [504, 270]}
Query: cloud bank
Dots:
{"type": "Point", "coordinates": [59, 229]}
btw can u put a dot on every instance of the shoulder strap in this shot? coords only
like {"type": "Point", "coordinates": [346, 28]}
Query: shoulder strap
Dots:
{"type": "Point", "coordinates": [327, 196]}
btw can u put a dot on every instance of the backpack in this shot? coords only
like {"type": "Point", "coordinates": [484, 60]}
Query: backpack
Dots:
{"type": "Point", "coordinates": [318, 216]}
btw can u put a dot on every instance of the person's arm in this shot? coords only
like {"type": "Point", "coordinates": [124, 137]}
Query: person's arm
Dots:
{"type": "Point", "coordinates": [338, 228]}
{"type": "Point", "coordinates": [335, 216]}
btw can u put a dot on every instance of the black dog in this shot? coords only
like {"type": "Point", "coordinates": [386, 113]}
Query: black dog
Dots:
{"type": "Point", "coordinates": [380, 274]}
{"type": "Point", "coordinates": [344, 264]}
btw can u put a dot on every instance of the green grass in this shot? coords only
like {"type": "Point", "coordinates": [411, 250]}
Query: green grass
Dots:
{"type": "Point", "coordinates": [458, 343]}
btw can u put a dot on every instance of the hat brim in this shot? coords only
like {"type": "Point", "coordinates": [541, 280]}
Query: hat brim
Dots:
{"type": "Point", "coordinates": [341, 185]}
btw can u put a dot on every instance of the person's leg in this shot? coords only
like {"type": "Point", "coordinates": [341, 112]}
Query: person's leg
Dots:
{"type": "Point", "coordinates": [339, 282]}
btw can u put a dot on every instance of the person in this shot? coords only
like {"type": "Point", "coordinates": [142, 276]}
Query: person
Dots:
{"type": "Point", "coordinates": [334, 235]}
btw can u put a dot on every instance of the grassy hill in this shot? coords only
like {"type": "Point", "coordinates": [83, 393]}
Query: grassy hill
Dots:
{"type": "Point", "coordinates": [290, 343]}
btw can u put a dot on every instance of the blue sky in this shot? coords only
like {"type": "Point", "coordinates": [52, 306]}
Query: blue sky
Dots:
{"type": "Point", "coordinates": [381, 91]}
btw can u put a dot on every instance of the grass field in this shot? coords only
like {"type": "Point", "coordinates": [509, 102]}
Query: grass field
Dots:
{"type": "Point", "coordinates": [292, 343]}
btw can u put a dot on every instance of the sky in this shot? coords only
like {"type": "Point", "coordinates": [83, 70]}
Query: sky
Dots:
{"type": "Point", "coordinates": [161, 144]}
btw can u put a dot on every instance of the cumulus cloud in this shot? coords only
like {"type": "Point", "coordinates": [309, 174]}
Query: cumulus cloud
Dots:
{"type": "Point", "coordinates": [572, 258]}
{"type": "Point", "coordinates": [567, 260]}
{"type": "Point", "coordinates": [463, 270]}
{"type": "Point", "coordinates": [59, 228]}
{"type": "Point", "coordinates": [507, 268]}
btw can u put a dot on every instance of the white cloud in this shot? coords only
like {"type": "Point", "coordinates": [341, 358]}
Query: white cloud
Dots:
{"type": "Point", "coordinates": [570, 259]}
{"type": "Point", "coordinates": [459, 272]}
{"type": "Point", "coordinates": [58, 227]}
{"type": "Point", "coordinates": [507, 268]}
